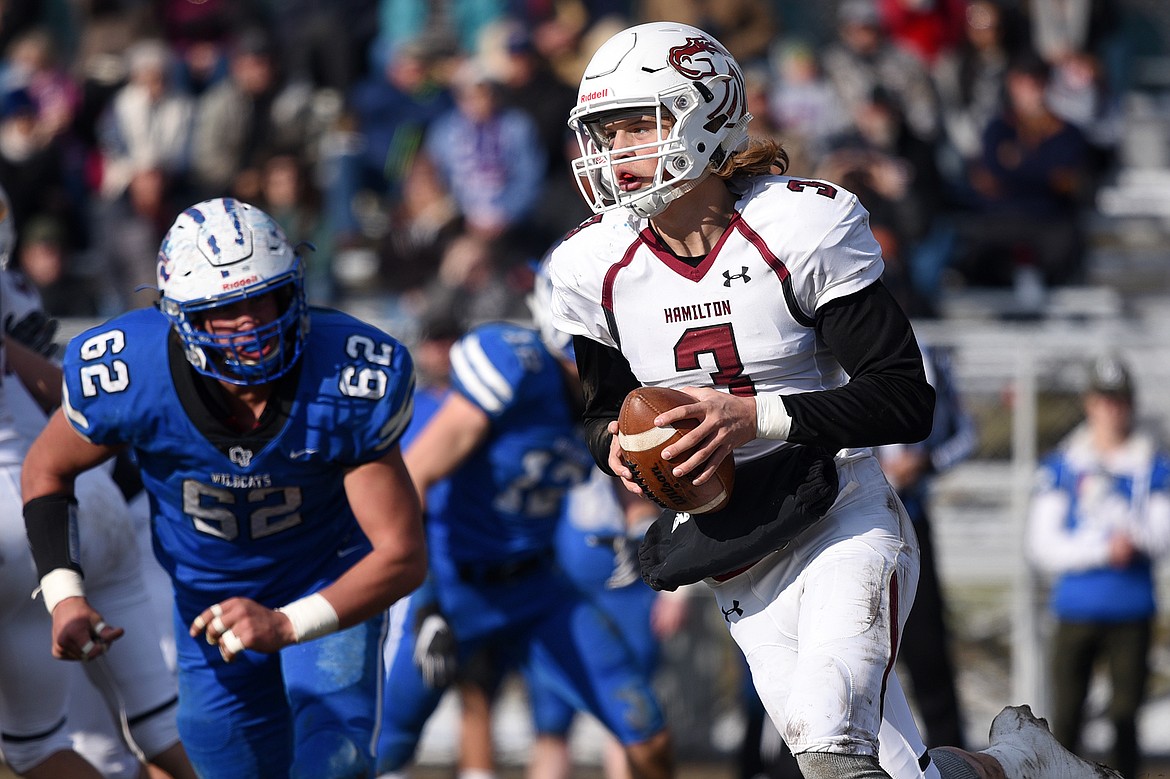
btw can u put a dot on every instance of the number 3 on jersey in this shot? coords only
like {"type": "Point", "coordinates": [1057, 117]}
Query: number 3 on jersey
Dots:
{"type": "Point", "coordinates": [719, 342]}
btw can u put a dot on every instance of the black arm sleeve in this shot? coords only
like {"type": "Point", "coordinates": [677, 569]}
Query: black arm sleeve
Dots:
{"type": "Point", "coordinates": [606, 379]}
{"type": "Point", "coordinates": [887, 399]}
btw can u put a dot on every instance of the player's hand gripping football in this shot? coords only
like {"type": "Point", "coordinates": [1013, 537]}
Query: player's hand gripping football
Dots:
{"type": "Point", "coordinates": [237, 624]}
{"type": "Point", "coordinates": [725, 421]}
{"type": "Point", "coordinates": [79, 632]}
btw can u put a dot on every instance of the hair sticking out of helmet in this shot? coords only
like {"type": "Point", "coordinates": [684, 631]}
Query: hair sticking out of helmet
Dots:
{"type": "Point", "coordinates": [221, 252]}
{"type": "Point", "coordinates": [540, 303]}
{"type": "Point", "coordinates": [692, 88]}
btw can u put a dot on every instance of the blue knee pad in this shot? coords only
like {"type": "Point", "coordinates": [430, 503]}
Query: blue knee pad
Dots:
{"type": "Point", "coordinates": [331, 755]}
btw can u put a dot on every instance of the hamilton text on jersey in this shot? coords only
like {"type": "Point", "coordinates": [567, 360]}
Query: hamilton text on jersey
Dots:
{"type": "Point", "coordinates": [697, 311]}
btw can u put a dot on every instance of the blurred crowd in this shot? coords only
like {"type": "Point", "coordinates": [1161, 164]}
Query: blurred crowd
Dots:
{"type": "Point", "coordinates": [421, 146]}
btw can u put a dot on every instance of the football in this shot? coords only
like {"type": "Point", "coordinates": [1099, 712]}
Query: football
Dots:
{"type": "Point", "coordinates": [642, 444]}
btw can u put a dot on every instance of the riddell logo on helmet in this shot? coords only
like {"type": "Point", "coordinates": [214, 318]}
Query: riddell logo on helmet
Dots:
{"type": "Point", "coordinates": [239, 283]}
{"type": "Point", "coordinates": [585, 98]}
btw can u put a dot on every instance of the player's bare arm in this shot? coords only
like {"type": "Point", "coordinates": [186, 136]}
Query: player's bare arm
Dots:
{"type": "Point", "coordinates": [40, 376]}
{"type": "Point", "coordinates": [456, 430]}
{"type": "Point", "coordinates": [52, 464]}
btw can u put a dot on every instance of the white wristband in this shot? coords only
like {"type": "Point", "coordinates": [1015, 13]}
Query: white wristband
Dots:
{"type": "Point", "coordinates": [772, 419]}
{"type": "Point", "coordinates": [59, 584]}
{"type": "Point", "coordinates": [311, 617]}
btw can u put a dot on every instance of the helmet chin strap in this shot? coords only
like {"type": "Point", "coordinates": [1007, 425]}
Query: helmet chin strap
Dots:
{"type": "Point", "coordinates": [654, 204]}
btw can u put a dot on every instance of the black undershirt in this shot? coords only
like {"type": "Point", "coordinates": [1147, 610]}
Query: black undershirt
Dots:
{"type": "Point", "coordinates": [886, 400]}
{"type": "Point", "coordinates": [205, 401]}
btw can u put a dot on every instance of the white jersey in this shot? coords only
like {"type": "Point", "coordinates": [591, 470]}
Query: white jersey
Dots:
{"type": "Point", "coordinates": [17, 427]}
{"type": "Point", "coordinates": [742, 319]}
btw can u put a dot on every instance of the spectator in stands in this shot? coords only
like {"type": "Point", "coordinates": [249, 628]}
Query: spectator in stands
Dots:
{"type": "Point", "coordinates": [33, 168]}
{"type": "Point", "coordinates": [527, 81]}
{"type": "Point", "coordinates": [491, 160]}
{"type": "Point", "coordinates": [130, 227]}
{"type": "Point", "coordinates": [148, 124]}
{"type": "Point", "coordinates": [145, 146]}
{"type": "Point", "coordinates": [43, 259]}
{"type": "Point", "coordinates": [863, 58]}
{"type": "Point", "coordinates": [885, 160]}
{"type": "Point", "coordinates": [970, 81]}
{"type": "Point", "coordinates": [927, 29]}
{"type": "Point", "coordinates": [455, 24]}
{"type": "Point", "coordinates": [803, 103]}
{"type": "Point", "coordinates": [33, 63]}
{"type": "Point", "coordinates": [1100, 518]}
{"type": "Point", "coordinates": [423, 223]}
{"type": "Point", "coordinates": [243, 120]}
{"type": "Point", "coordinates": [381, 131]}
{"type": "Point", "coordinates": [746, 27]}
{"type": "Point", "coordinates": [324, 42]}
{"type": "Point", "coordinates": [201, 34]}
{"type": "Point", "coordinates": [288, 195]}
{"type": "Point", "coordinates": [1030, 184]}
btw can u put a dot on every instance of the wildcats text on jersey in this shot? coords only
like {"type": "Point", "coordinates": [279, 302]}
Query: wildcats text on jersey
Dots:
{"type": "Point", "coordinates": [697, 311]}
{"type": "Point", "coordinates": [241, 481]}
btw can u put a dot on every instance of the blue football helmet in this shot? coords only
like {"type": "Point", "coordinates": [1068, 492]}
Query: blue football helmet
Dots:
{"type": "Point", "coordinates": [221, 252]}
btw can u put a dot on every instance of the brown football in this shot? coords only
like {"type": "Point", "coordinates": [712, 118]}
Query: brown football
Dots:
{"type": "Point", "coordinates": [642, 444]}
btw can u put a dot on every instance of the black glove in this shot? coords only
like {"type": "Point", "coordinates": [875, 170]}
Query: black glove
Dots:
{"type": "Point", "coordinates": [36, 331]}
{"type": "Point", "coordinates": [435, 650]}
{"type": "Point", "coordinates": [776, 498]}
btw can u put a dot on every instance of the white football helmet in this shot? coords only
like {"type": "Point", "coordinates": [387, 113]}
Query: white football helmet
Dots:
{"type": "Point", "coordinates": [657, 69]}
{"type": "Point", "coordinates": [559, 343]}
{"type": "Point", "coordinates": [220, 252]}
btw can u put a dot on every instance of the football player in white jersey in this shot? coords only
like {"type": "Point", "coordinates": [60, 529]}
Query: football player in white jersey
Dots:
{"type": "Point", "coordinates": [49, 727]}
{"type": "Point", "coordinates": [706, 269]}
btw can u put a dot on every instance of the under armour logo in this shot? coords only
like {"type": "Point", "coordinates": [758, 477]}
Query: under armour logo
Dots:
{"type": "Point", "coordinates": [679, 518]}
{"type": "Point", "coordinates": [240, 456]}
{"type": "Point", "coordinates": [735, 609]}
{"type": "Point", "coordinates": [727, 276]}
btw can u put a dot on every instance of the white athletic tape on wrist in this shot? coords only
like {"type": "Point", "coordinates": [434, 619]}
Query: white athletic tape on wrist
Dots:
{"type": "Point", "coordinates": [59, 584]}
{"type": "Point", "coordinates": [772, 419]}
{"type": "Point", "coordinates": [311, 617]}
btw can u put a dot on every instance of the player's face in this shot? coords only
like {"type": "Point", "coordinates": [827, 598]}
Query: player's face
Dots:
{"type": "Point", "coordinates": [633, 140]}
{"type": "Point", "coordinates": [242, 317]}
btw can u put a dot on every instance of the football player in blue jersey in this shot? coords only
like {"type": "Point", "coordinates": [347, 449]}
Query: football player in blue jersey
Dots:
{"type": "Point", "coordinates": [281, 507]}
{"type": "Point", "coordinates": [597, 547]}
{"type": "Point", "coordinates": [506, 440]}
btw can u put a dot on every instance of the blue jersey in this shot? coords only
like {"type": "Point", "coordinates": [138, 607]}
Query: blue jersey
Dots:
{"type": "Point", "coordinates": [262, 516]}
{"type": "Point", "coordinates": [503, 502]}
{"type": "Point", "coordinates": [493, 568]}
{"type": "Point", "coordinates": [1104, 496]}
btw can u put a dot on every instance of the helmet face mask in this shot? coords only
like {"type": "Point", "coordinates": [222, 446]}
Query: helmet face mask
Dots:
{"type": "Point", "coordinates": [688, 83]}
{"type": "Point", "coordinates": [222, 253]}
